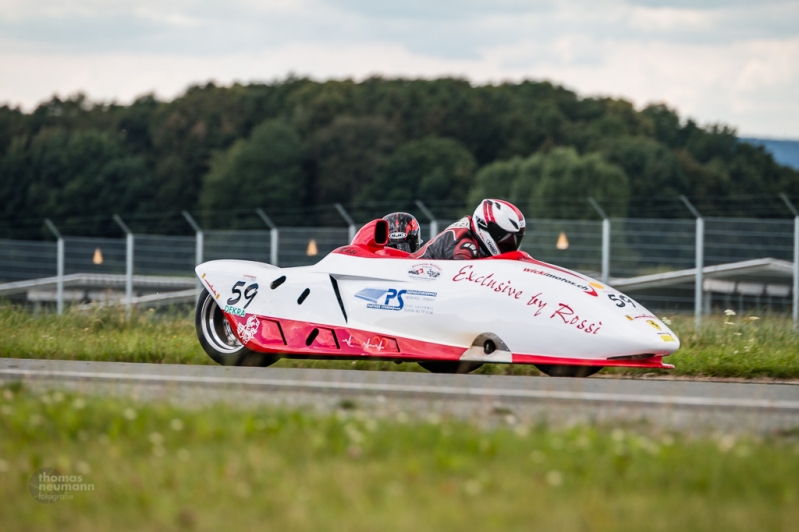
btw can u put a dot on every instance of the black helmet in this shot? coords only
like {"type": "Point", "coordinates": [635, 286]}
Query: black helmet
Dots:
{"type": "Point", "coordinates": [403, 232]}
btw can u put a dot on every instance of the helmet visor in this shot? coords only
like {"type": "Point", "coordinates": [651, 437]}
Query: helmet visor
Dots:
{"type": "Point", "coordinates": [509, 241]}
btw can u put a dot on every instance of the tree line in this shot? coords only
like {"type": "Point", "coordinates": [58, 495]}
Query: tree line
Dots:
{"type": "Point", "coordinates": [296, 145]}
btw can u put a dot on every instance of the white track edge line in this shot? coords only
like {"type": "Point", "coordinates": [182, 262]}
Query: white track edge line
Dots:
{"type": "Point", "coordinates": [409, 388]}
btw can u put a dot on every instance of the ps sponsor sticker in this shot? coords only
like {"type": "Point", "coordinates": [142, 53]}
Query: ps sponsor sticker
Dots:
{"type": "Point", "coordinates": [411, 301]}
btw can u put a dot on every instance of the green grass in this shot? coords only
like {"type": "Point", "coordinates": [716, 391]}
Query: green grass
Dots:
{"type": "Point", "coordinates": [102, 334]}
{"type": "Point", "coordinates": [731, 347]}
{"type": "Point", "coordinates": [160, 467]}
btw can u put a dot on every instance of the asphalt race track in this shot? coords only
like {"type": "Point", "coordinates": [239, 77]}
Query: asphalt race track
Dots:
{"type": "Point", "coordinates": [491, 399]}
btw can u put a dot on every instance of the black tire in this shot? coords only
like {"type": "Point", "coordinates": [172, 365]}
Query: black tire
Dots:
{"type": "Point", "coordinates": [554, 370]}
{"type": "Point", "coordinates": [450, 367]}
{"type": "Point", "coordinates": [217, 338]}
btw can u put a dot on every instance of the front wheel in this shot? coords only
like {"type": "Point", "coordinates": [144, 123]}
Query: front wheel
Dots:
{"type": "Point", "coordinates": [450, 367]}
{"type": "Point", "coordinates": [218, 340]}
{"type": "Point", "coordinates": [554, 370]}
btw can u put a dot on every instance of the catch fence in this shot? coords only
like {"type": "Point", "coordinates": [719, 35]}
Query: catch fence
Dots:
{"type": "Point", "coordinates": [611, 250]}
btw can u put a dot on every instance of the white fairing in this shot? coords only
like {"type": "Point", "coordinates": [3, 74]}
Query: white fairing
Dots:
{"type": "Point", "coordinates": [535, 308]}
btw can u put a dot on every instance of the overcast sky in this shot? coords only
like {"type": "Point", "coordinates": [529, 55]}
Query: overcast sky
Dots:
{"type": "Point", "coordinates": [735, 62]}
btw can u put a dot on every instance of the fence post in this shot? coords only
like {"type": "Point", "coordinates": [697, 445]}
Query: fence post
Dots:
{"type": "Point", "coordinates": [200, 237]}
{"type": "Point", "coordinates": [274, 236]}
{"type": "Point", "coordinates": [796, 272]}
{"type": "Point", "coordinates": [433, 221]}
{"type": "Point", "coordinates": [350, 221]}
{"type": "Point", "coordinates": [605, 240]}
{"type": "Point", "coordinates": [199, 244]}
{"type": "Point", "coordinates": [128, 263]}
{"type": "Point", "coordinates": [700, 262]}
{"type": "Point", "coordinates": [795, 260]}
{"type": "Point", "coordinates": [59, 292]}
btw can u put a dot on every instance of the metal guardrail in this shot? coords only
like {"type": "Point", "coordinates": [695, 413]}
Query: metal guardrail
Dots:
{"type": "Point", "coordinates": [149, 282]}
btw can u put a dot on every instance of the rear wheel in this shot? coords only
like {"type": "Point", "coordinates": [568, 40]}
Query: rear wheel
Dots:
{"type": "Point", "coordinates": [218, 340]}
{"type": "Point", "coordinates": [554, 370]}
{"type": "Point", "coordinates": [450, 367]}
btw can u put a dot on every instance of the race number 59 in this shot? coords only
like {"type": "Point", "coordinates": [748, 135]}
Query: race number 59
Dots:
{"type": "Point", "coordinates": [249, 293]}
{"type": "Point", "coordinates": [621, 301]}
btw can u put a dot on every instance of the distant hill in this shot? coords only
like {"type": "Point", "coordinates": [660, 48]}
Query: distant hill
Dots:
{"type": "Point", "coordinates": [785, 152]}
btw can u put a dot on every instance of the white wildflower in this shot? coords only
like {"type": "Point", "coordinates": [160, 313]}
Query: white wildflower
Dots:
{"type": "Point", "coordinates": [554, 478]}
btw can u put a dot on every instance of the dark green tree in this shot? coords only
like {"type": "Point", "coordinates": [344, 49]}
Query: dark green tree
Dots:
{"type": "Point", "coordinates": [653, 170]}
{"type": "Point", "coordinates": [545, 183]}
{"type": "Point", "coordinates": [434, 169]}
{"type": "Point", "coordinates": [74, 175]}
{"type": "Point", "coordinates": [263, 171]}
{"type": "Point", "coordinates": [346, 155]}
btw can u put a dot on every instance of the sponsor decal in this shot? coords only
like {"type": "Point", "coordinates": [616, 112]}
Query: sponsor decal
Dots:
{"type": "Point", "coordinates": [667, 337]}
{"type": "Point", "coordinates": [210, 287]}
{"type": "Point", "coordinates": [348, 341]}
{"type": "Point", "coordinates": [653, 324]}
{"type": "Point", "coordinates": [629, 317]}
{"type": "Point", "coordinates": [643, 316]}
{"type": "Point", "coordinates": [413, 301]}
{"type": "Point", "coordinates": [537, 303]}
{"type": "Point", "coordinates": [375, 343]}
{"type": "Point", "coordinates": [467, 273]}
{"type": "Point", "coordinates": [569, 317]}
{"type": "Point", "coordinates": [247, 331]}
{"type": "Point", "coordinates": [235, 310]}
{"type": "Point", "coordinates": [250, 277]}
{"type": "Point", "coordinates": [489, 242]}
{"type": "Point", "coordinates": [588, 288]}
{"type": "Point", "coordinates": [597, 286]}
{"type": "Point", "coordinates": [424, 272]}
{"type": "Point", "coordinates": [397, 236]}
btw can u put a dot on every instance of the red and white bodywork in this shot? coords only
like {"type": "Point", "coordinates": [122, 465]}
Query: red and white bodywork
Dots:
{"type": "Point", "coordinates": [364, 300]}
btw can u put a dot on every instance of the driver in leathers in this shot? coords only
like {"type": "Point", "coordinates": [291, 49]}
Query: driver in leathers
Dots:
{"type": "Point", "coordinates": [495, 227]}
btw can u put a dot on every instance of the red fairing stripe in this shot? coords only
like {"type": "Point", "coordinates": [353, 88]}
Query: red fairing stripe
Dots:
{"type": "Point", "coordinates": [350, 341]}
{"type": "Point", "coordinates": [335, 341]}
{"type": "Point", "coordinates": [651, 362]}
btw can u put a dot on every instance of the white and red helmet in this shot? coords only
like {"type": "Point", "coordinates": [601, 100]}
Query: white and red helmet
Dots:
{"type": "Point", "coordinates": [498, 225]}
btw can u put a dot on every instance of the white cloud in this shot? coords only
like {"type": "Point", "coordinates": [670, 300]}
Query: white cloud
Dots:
{"type": "Point", "coordinates": [736, 63]}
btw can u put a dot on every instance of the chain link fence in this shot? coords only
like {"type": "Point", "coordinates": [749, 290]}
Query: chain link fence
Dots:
{"type": "Point", "coordinates": [21, 260]}
{"type": "Point", "coordinates": [637, 247]}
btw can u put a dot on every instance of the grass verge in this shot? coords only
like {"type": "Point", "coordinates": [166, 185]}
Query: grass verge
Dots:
{"type": "Point", "coordinates": [729, 347]}
{"type": "Point", "coordinates": [160, 467]}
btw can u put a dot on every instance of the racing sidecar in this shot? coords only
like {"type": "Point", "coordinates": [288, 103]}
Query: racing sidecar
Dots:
{"type": "Point", "coordinates": [367, 301]}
